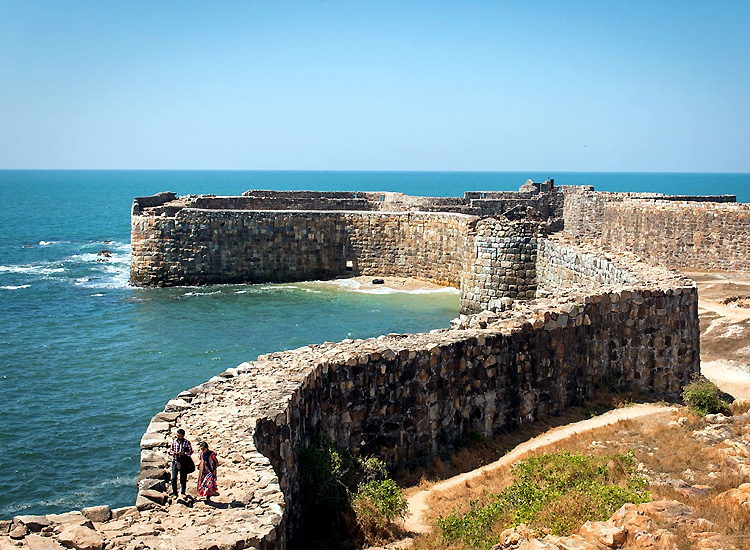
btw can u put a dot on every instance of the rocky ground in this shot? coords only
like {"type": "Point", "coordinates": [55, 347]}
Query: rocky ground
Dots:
{"type": "Point", "coordinates": [246, 496]}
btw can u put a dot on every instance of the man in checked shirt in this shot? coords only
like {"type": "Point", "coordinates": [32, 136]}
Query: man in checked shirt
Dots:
{"type": "Point", "coordinates": [180, 447]}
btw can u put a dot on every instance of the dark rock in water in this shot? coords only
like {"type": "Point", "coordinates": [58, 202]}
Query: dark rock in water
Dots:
{"type": "Point", "coordinates": [104, 255]}
{"type": "Point", "coordinates": [378, 281]}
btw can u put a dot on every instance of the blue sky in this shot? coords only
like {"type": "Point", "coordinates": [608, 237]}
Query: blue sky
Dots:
{"type": "Point", "coordinates": [376, 85]}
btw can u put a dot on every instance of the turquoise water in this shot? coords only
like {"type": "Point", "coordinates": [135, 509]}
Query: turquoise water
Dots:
{"type": "Point", "coordinates": [86, 360]}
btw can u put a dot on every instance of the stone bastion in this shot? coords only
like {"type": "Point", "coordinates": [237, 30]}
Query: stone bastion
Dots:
{"type": "Point", "coordinates": [550, 317]}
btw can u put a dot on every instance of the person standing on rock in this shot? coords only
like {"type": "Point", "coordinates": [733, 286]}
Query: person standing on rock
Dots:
{"type": "Point", "coordinates": [207, 486]}
{"type": "Point", "coordinates": [181, 461]}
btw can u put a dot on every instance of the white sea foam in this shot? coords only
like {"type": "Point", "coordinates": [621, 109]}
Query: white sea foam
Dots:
{"type": "Point", "coordinates": [353, 285]}
{"type": "Point", "coordinates": [118, 280]}
{"type": "Point", "coordinates": [34, 269]}
{"type": "Point", "coordinates": [279, 288]}
{"type": "Point", "coordinates": [201, 293]}
{"type": "Point", "coordinates": [14, 287]}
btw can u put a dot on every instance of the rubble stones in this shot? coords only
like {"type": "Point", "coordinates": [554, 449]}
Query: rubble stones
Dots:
{"type": "Point", "coordinates": [81, 538]}
{"type": "Point", "coordinates": [98, 514]}
{"type": "Point", "coordinates": [34, 523]}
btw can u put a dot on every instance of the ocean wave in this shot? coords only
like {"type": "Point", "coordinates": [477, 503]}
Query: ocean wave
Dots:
{"type": "Point", "coordinates": [34, 269]}
{"type": "Point", "coordinates": [117, 280]}
{"type": "Point", "coordinates": [14, 287]}
{"type": "Point", "coordinates": [191, 294]}
{"type": "Point", "coordinates": [279, 287]}
{"type": "Point", "coordinates": [352, 285]}
{"type": "Point", "coordinates": [50, 243]}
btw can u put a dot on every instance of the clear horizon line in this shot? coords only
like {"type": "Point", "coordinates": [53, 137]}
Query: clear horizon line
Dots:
{"type": "Point", "coordinates": [364, 170]}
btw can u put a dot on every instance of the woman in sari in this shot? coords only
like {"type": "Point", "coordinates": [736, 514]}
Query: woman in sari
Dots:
{"type": "Point", "coordinates": [207, 472]}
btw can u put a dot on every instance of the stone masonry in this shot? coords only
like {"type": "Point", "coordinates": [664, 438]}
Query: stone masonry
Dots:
{"type": "Point", "coordinates": [554, 319]}
{"type": "Point", "coordinates": [677, 232]}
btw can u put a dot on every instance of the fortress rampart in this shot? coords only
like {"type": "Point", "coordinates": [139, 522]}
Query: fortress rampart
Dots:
{"type": "Point", "coordinates": [484, 244]}
{"type": "Point", "coordinates": [710, 233]}
{"type": "Point", "coordinates": [555, 317]}
{"type": "Point", "coordinates": [406, 397]}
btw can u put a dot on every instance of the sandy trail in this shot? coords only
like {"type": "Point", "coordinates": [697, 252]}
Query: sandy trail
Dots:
{"type": "Point", "coordinates": [731, 373]}
{"type": "Point", "coordinates": [414, 522]}
{"type": "Point", "coordinates": [729, 376]}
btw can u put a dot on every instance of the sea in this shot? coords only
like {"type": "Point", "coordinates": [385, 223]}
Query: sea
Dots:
{"type": "Point", "coordinates": [86, 360]}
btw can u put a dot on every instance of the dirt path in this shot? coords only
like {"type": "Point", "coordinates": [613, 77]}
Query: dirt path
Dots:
{"type": "Point", "coordinates": [725, 359]}
{"type": "Point", "coordinates": [724, 309]}
{"type": "Point", "coordinates": [418, 501]}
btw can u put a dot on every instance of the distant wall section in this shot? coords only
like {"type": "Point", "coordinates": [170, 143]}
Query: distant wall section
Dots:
{"type": "Point", "coordinates": [711, 233]}
{"type": "Point", "coordinates": [200, 246]}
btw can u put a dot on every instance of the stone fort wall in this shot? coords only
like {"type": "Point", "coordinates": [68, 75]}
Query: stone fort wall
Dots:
{"type": "Point", "coordinates": [197, 246]}
{"type": "Point", "coordinates": [407, 397]}
{"type": "Point", "coordinates": [600, 320]}
{"type": "Point", "coordinates": [709, 233]}
{"type": "Point", "coordinates": [212, 240]}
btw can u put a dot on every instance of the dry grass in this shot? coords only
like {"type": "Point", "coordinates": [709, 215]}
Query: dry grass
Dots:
{"type": "Point", "coordinates": [475, 451]}
{"type": "Point", "coordinates": [667, 452]}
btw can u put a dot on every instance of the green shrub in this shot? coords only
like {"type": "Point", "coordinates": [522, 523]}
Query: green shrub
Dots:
{"type": "Point", "coordinates": [347, 496]}
{"type": "Point", "coordinates": [703, 397]}
{"type": "Point", "coordinates": [558, 491]}
{"type": "Point", "coordinates": [376, 505]}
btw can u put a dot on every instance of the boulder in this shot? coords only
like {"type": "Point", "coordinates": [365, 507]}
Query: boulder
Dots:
{"type": "Point", "coordinates": [34, 523]}
{"type": "Point", "coordinates": [177, 405]}
{"type": "Point", "coordinates": [5, 525]}
{"type": "Point", "coordinates": [575, 542]}
{"type": "Point", "coordinates": [158, 427]}
{"type": "Point", "coordinates": [99, 514]}
{"type": "Point", "coordinates": [155, 496]}
{"type": "Point", "coordinates": [151, 456]}
{"type": "Point", "coordinates": [142, 504]}
{"type": "Point", "coordinates": [18, 531]}
{"type": "Point", "coordinates": [165, 417]}
{"type": "Point", "coordinates": [76, 518]}
{"type": "Point", "coordinates": [604, 532]}
{"type": "Point", "coordinates": [38, 542]}
{"type": "Point", "coordinates": [82, 538]}
{"type": "Point", "coordinates": [153, 484]}
{"type": "Point", "coordinates": [151, 440]}
{"type": "Point", "coordinates": [155, 473]}
{"type": "Point", "coordinates": [125, 512]}
{"type": "Point", "coordinates": [536, 544]}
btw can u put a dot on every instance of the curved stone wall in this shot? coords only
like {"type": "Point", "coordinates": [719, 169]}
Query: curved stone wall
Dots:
{"type": "Point", "coordinates": [610, 322]}
{"type": "Point", "coordinates": [407, 397]}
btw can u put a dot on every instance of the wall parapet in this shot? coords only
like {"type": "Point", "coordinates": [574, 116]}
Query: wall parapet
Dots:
{"type": "Point", "coordinates": [676, 232]}
{"type": "Point", "coordinates": [405, 397]}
